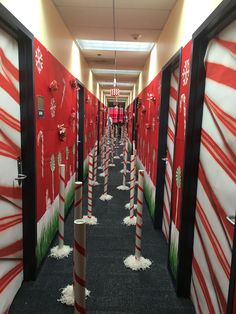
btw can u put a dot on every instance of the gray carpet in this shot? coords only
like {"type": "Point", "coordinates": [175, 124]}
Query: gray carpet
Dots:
{"type": "Point", "coordinates": [114, 288]}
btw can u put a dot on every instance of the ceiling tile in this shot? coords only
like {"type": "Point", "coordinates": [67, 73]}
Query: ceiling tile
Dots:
{"type": "Point", "coordinates": [85, 3]}
{"type": "Point", "coordinates": [142, 18]}
{"type": "Point", "coordinates": [91, 17]}
{"type": "Point", "coordinates": [147, 4]}
{"type": "Point", "coordinates": [148, 35]}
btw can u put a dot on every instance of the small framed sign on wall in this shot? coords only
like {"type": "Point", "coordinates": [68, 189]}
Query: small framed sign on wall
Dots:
{"type": "Point", "coordinates": [40, 103]}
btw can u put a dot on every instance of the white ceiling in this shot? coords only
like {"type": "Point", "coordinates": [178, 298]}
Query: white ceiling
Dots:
{"type": "Point", "coordinates": [93, 19]}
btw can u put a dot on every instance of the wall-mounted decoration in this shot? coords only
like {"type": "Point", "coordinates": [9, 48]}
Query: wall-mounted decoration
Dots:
{"type": "Point", "coordinates": [40, 103]}
{"type": "Point", "coordinates": [61, 132]}
{"type": "Point", "coordinates": [53, 86]}
{"type": "Point", "coordinates": [74, 85]}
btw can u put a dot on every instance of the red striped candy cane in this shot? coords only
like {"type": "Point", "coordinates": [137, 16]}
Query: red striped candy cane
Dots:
{"type": "Point", "coordinates": [90, 186]}
{"type": "Point", "coordinates": [95, 161]}
{"type": "Point", "coordinates": [125, 162]}
{"type": "Point", "coordinates": [61, 206]}
{"type": "Point", "coordinates": [79, 273]}
{"type": "Point", "coordinates": [106, 170]}
{"type": "Point", "coordinates": [139, 222]}
{"type": "Point", "coordinates": [78, 200]}
{"type": "Point", "coordinates": [132, 185]}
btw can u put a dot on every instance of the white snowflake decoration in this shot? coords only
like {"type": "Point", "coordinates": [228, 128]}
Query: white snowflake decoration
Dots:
{"type": "Point", "coordinates": [39, 59]}
{"type": "Point", "coordinates": [185, 74]}
{"type": "Point", "coordinates": [53, 107]}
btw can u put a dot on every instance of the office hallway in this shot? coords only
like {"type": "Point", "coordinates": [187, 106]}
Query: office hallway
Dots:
{"type": "Point", "coordinates": [114, 288]}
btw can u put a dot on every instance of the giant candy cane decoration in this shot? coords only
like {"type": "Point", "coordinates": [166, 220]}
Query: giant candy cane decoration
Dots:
{"type": "Point", "coordinates": [40, 139]}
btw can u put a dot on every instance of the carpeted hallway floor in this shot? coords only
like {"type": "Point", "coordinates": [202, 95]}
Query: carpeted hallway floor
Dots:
{"type": "Point", "coordinates": [114, 288]}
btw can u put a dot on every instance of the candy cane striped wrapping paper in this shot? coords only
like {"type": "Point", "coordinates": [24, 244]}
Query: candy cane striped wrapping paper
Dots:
{"type": "Point", "coordinates": [131, 219]}
{"type": "Point", "coordinates": [89, 218]}
{"type": "Point", "coordinates": [105, 196]}
{"type": "Point", "coordinates": [124, 187]}
{"type": "Point", "coordinates": [95, 164]}
{"type": "Point", "coordinates": [213, 234]}
{"type": "Point", "coordinates": [170, 150]}
{"type": "Point", "coordinates": [78, 200]}
{"type": "Point", "coordinates": [79, 266]}
{"type": "Point", "coordinates": [138, 262]}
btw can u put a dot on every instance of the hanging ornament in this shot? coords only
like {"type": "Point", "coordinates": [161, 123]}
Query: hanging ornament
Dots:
{"type": "Point", "coordinates": [178, 185]}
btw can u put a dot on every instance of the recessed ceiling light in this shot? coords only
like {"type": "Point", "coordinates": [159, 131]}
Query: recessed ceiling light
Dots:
{"type": "Point", "coordinates": [111, 71]}
{"type": "Point", "coordinates": [114, 45]}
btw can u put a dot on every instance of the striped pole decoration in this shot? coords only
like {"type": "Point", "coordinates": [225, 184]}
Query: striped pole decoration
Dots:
{"type": "Point", "coordinates": [139, 222]}
{"type": "Point", "coordinates": [90, 186]}
{"type": "Point", "coordinates": [106, 171]}
{"type": "Point", "coordinates": [79, 273]}
{"type": "Point", "coordinates": [132, 185]}
{"type": "Point", "coordinates": [95, 163]}
{"type": "Point", "coordinates": [61, 205]}
{"type": "Point", "coordinates": [125, 162]}
{"type": "Point", "coordinates": [101, 150]}
{"type": "Point", "coordinates": [78, 200]}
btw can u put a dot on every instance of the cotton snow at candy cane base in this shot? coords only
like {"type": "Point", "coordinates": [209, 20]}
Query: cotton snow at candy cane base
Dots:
{"type": "Point", "coordinates": [76, 294]}
{"type": "Point", "coordinates": [137, 262]}
{"type": "Point", "coordinates": [78, 200]}
{"type": "Point", "coordinates": [124, 187]}
{"type": "Point", "coordinates": [61, 250]}
{"type": "Point", "coordinates": [105, 196]}
{"type": "Point", "coordinates": [90, 219]}
{"type": "Point", "coordinates": [131, 219]}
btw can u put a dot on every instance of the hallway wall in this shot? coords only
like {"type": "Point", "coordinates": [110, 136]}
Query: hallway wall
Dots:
{"type": "Point", "coordinates": [43, 20]}
{"type": "Point", "coordinates": [185, 18]}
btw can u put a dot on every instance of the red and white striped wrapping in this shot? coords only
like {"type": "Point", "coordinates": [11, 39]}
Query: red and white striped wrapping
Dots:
{"type": "Point", "coordinates": [90, 186]}
{"type": "Point", "coordinates": [61, 206]}
{"type": "Point", "coordinates": [125, 162]}
{"type": "Point", "coordinates": [101, 152]}
{"type": "Point", "coordinates": [79, 273]}
{"type": "Point", "coordinates": [78, 200]}
{"type": "Point", "coordinates": [122, 134]}
{"type": "Point", "coordinates": [170, 150]}
{"type": "Point", "coordinates": [132, 186]}
{"type": "Point", "coordinates": [106, 171]}
{"type": "Point", "coordinates": [95, 162]}
{"type": "Point", "coordinates": [139, 222]}
{"type": "Point", "coordinates": [213, 235]}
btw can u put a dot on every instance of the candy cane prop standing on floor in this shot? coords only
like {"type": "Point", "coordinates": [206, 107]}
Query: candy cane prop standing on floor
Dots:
{"type": "Point", "coordinates": [90, 219]}
{"type": "Point", "coordinates": [101, 150]}
{"type": "Point", "coordinates": [79, 273]}
{"type": "Point", "coordinates": [95, 164]}
{"type": "Point", "coordinates": [137, 262]}
{"type": "Point", "coordinates": [116, 143]}
{"type": "Point", "coordinates": [61, 206]}
{"type": "Point", "coordinates": [102, 174]}
{"type": "Point", "coordinates": [61, 250]}
{"type": "Point", "coordinates": [131, 219]}
{"type": "Point", "coordinates": [112, 149]}
{"type": "Point", "coordinates": [40, 138]}
{"type": "Point", "coordinates": [78, 200]}
{"type": "Point", "coordinates": [105, 196]}
{"type": "Point", "coordinates": [123, 187]}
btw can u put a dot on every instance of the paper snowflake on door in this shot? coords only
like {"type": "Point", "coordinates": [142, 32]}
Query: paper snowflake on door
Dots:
{"type": "Point", "coordinates": [39, 59]}
{"type": "Point", "coordinates": [53, 107]}
{"type": "Point", "coordinates": [185, 74]}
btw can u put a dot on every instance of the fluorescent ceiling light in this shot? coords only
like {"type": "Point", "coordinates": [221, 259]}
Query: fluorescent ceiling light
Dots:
{"type": "Point", "coordinates": [118, 83]}
{"type": "Point", "coordinates": [114, 45]}
{"type": "Point", "coordinates": [111, 71]}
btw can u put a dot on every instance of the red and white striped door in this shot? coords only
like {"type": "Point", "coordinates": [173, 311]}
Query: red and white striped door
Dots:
{"type": "Point", "coordinates": [11, 265]}
{"type": "Point", "coordinates": [174, 82]}
{"type": "Point", "coordinates": [213, 234]}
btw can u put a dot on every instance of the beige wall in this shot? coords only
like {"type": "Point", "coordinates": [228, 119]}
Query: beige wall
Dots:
{"type": "Point", "coordinates": [44, 21]}
{"type": "Point", "coordinates": [184, 19]}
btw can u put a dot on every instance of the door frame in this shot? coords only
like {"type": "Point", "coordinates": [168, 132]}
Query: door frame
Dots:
{"type": "Point", "coordinates": [174, 62]}
{"type": "Point", "coordinates": [80, 146]}
{"type": "Point", "coordinates": [25, 40]}
{"type": "Point", "coordinates": [223, 15]}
